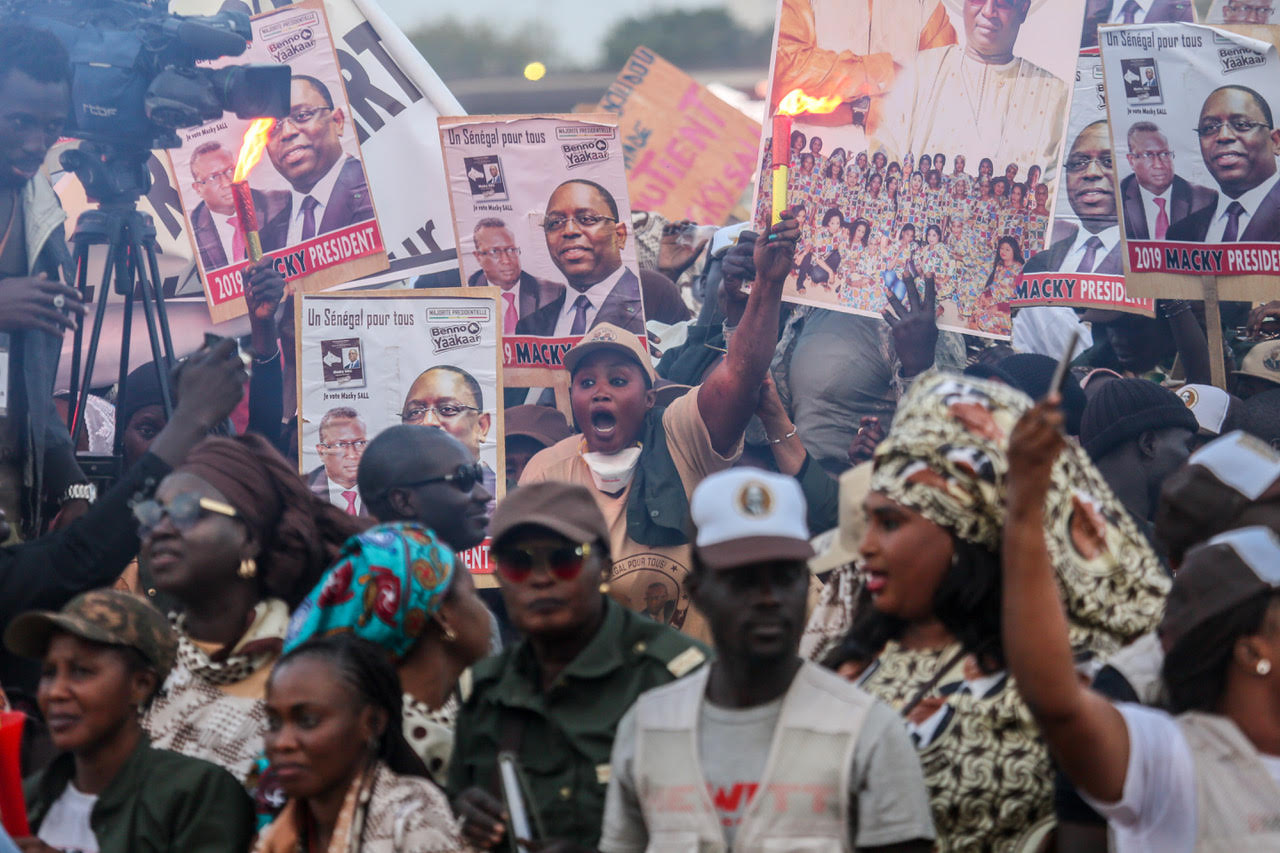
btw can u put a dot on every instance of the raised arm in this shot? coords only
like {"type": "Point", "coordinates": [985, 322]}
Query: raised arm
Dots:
{"type": "Point", "coordinates": [1085, 732]}
{"type": "Point", "coordinates": [730, 394]}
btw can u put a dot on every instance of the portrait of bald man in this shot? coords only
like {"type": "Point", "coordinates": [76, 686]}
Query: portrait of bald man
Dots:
{"type": "Point", "coordinates": [213, 220]}
{"type": "Point", "coordinates": [449, 398]}
{"type": "Point", "coordinates": [1154, 197]}
{"type": "Point", "coordinates": [499, 258]}
{"type": "Point", "coordinates": [585, 238]}
{"type": "Point", "coordinates": [1239, 144]}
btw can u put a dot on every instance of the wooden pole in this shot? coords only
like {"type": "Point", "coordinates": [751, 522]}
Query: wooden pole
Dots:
{"type": "Point", "coordinates": [1213, 322]}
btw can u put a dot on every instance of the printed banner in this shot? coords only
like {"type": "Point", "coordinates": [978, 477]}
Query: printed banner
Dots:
{"type": "Point", "coordinates": [1081, 267]}
{"type": "Point", "coordinates": [689, 155]}
{"type": "Point", "coordinates": [977, 93]}
{"type": "Point", "coordinates": [1243, 12]}
{"type": "Point", "coordinates": [368, 360]}
{"type": "Point", "coordinates": [1196, 104]}
{"type": "Point", "coordinates": [310, 194]}
{"type": "Point", "coordinates": [540, 210]}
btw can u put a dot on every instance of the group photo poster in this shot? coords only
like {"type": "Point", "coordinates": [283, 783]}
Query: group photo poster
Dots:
{"type": "Point", "coordinates": [941, 158]}
{"type": "Point", "coordinates": [689, 155]}
{"type": "Point", "coordinates": [1202, 99]}
{"type": "Point", "coordinates": [369, 360]}
{"type": "Point", "coordinates": [1243, 12]}
{"type": "Point", "coordinates": [1081, 265]}
{"type": "Point", "coordinates": [310, 194]}
{"type": "Point", "coordinates": [541, 212]}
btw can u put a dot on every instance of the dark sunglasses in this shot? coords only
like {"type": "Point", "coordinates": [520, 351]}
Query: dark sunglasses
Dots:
{"type": "Point", "coordinates": [465, 478]}
{"type": "Point", "coordinates": [563, 561]}
{"type": "Point", "coordinates": [184, 511]}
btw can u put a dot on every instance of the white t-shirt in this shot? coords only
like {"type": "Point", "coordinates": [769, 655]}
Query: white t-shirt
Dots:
{"type": "Point", "coordinates": [66, 826]}
{"type": "Point", "coordinates": [1157, 812]}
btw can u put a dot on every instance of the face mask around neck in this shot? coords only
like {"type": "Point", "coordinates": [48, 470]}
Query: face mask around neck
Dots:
{"type": "Point", "coordinates": [612, 472]}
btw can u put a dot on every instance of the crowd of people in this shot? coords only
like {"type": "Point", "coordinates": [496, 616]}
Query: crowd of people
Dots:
{"type": "Point", "coordinates": [811, 581]}
{"type": "Point", "coordinates": [869, 222]}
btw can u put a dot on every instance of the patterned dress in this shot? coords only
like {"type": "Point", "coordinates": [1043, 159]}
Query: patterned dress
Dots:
{"type": "Point", "coordinates": [992, 312]}
{"type": "Point", "coordinates": [986, 769]}
{"type": "Point", "coordinates": [880, 212]}
{"type": "Point", "coordinates": [935, 259]}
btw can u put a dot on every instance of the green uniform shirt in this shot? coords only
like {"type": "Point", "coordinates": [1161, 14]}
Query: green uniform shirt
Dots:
{"type": "Point", "coordinates": [565, 734]}
{"type": "Point", "coordinates": [159, 802]}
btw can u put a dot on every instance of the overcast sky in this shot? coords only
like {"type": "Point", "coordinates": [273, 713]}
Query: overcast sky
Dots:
{"type": "Point", "coordinates": [581, 24]}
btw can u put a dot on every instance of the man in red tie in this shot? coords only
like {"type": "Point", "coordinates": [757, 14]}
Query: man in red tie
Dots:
{"type": "Point", "coordinates": [213, 220]}
{"type": "Point", "coordinates": [343, 438]}
{"type": "Point", "coordinates": [1155, 197]}
{"type": "Point", "coordinates": [499, 258]}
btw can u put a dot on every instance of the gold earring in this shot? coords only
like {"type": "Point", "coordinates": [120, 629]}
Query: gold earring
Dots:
{"type": "Point", "coordinates": [1264, 667]}
{"type": "Point", "coordinates": [604, 588]}
{"type": "Point", "coordinates": [248, 568]}
{"type": "Point", "coordinates": [449, 635]}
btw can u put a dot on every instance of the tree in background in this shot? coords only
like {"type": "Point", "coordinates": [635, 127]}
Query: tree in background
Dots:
{"type": "Point", "coordinates": [460, 51]}
{"type": "Point", "coordinates": [707, 38]}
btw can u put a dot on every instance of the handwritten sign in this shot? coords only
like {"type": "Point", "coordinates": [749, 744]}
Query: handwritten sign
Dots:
{"type": "Point", "coordinates": [689, 155]}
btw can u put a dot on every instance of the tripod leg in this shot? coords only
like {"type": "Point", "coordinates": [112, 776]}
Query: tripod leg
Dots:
{"type": "Point", "coordinates": [104, 294]}
{"type": "Point", "coordinates": [146, 291]}
{"type": "Point", "coordinates": [162, 313]}
{"type": "Point", "coordinates": [81, 261]}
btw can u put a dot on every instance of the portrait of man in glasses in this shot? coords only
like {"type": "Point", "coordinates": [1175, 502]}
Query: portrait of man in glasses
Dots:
{"type": "Point", "coordinates": [450, 398]}
{"type": "Point", "coordinates": [343, 438]}
{"type": "Point", "coordinates": [585, 238]}
{"type": "Point", "coordinates": [1239, 144]}
{"type": "Point", "coordinates": [1094, 247]}
{"type": "Point", "coordinates": [214, 221]}
{"type": "Point", "coordinates": [499, 258]}
{"type": "Point", "coordinates": [1247, 11]}
{"type": "Point", "coordinates": [328, 186]}
{"type": "Point", "coordinates": [1154, 196]}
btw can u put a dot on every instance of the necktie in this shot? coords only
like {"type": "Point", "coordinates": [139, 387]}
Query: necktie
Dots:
{"type": "Point", "coordinates": [1129, 11]}
{"type": "Point", "coordinates": [580, 306]}
{"type": "Point", "coordinates": [309, 205]}
{"type": "Point", "coordinates": [1162, 219]}
{"type": "Point", "coordinates": [1091, 247]}
{"type": "Point", "coordinates": [350, 495]}
{"type": "Point", "coordinates": [509, 316]}
{"type": "Point", "coordinates": [237, 240]}
{"type": "Point", "coordinates": [1232, 233]}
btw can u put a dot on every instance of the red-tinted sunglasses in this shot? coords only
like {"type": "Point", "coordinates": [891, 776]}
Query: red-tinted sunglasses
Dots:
{"type": "Point", "coordinates": [563, 561]}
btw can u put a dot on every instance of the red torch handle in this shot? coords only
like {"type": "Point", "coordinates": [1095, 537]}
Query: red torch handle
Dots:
{"type": "Point", "coordinates": [781, 140]}
{"type": "Point", "coordinates": [13, 806]}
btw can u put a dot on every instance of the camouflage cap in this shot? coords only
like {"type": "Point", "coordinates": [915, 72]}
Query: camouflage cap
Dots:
{"type": "Point", "coordinates": [100, 616]}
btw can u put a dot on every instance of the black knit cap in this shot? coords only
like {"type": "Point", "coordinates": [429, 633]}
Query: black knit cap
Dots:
{"type": "Point", "coordinates": [1124, 409]}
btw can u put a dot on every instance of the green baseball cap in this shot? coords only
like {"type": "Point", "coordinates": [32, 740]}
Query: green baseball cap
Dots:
{"type": "Point", "coordinates": [101, 616]}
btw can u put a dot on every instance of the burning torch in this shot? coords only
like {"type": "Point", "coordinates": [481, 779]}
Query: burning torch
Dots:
{"type": "Point", "coordinates": [795, 103]}
{"type": "Point", "coordinates": [255, 141]}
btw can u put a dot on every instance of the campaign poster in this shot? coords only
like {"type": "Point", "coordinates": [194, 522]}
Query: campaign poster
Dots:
{"type": "Point", "coordinates": [689, 155]}
{"type": "Point", "coordinates": [950, 121]}
{"type": "Point", "coordinates": [311, 196]}
{"type": "Point", "coordinates": [541, 211]}
{"type": "Point", "coordinates": [1081, 265]}
{"type": "Point", "coordinates": [1201, 99]}
{"type": "Point", "coordinates": [368, 360]}
{"type": "Point", "coordinates": [1243, 12]}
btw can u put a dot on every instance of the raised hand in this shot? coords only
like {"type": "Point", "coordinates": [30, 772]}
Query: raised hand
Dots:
{"type": "Point", "coordinates": [914, 329]}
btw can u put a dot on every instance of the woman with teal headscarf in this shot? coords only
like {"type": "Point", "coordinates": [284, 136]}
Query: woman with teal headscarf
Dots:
{"type": "Point", "coordinates": [400, 587]}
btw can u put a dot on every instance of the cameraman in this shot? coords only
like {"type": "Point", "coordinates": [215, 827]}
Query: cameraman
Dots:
{"type": "Point", "coordinates": [37, 459]}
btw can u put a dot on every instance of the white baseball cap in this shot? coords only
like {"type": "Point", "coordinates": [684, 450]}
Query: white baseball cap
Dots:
{"type": "Point", "coordinates": [746, 515]}
{"type": "Point", "coordinates": [1208, 403]}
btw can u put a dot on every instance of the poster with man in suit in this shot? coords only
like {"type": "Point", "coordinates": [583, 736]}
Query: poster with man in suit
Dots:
{"type": "Point", "coordinates": [314, 211]}
{"type": "Point", "coordinates": [1204, 202]}
{"type": "Point", "coordinates": [559, 243]}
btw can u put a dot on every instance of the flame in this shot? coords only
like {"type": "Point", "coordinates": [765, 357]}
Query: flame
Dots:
{"type": "Point", "coordinates": [255, 141]}
{"type": "Point", "coordinates": [797, 102]}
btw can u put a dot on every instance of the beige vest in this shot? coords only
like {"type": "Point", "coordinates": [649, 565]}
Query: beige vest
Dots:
{"type": "Point", "coordinates": [802, 801]}
{"type": "Point", "coordinates": [1237, 801]}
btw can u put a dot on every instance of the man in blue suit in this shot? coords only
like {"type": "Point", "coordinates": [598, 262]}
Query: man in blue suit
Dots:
{"type": "Point", "coordinates": [329, 188]}
{"type": "Point", "coordinates": [585, 238]}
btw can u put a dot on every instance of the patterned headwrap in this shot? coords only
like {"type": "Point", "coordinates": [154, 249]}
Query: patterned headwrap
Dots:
{"type": "Point", "coordinates": [946, 459]}
{"type": "Point", "coordinates": [387, 584]}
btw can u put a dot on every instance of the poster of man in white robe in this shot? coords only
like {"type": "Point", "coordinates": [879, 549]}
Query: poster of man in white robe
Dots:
{"type": "Point", "coordinates": [932, 162]}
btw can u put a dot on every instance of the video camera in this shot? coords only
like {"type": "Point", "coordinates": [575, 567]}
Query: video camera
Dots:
{"type": "Point", "coordinates": [134, 74]}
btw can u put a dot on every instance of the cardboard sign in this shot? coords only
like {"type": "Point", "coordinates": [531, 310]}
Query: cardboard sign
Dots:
{"type": "Point", "coordinates": [540, 210]}
{"type": "Point", "coordinates": [689, 155]}
{"type": "Point", "coordinates": [874, 211]}
{"type": "Point", "coordinates": [1198, 98]}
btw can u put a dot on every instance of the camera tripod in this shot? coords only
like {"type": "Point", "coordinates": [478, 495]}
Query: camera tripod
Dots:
{"type": "Point", "coordinates": [117, 177]}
